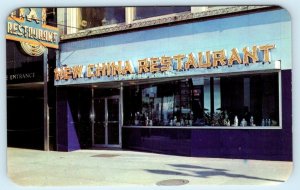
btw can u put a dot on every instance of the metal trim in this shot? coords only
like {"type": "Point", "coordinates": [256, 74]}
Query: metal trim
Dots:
{"type": "Point", "coordinates": [46, 106]}
{"type": "Point", "coordinates": [93, 121]}
{"type": "Point", "coordinates": [280, 98]}
{"type": "Point", "coordinates": [121, 116]}
{"type": "Point", "coordinates": [106, 122]}
{"type": "Point", "coordinates": [106, 146]}
{"type": "Point", "coordinates": [204, 127]}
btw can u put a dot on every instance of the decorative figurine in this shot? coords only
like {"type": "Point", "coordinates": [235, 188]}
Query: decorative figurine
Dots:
{"type": "Point", "coordinates": [236, 121]}
{"type": "Point", "coordinates": [252, 121]}
{"type": "Point", "coordinates": [182, 122]}
{"type": "Point", "coordinates": [137, 117]}
{"type": "Point", "coordinates": [190, 122]}
{"type": "Point", "coordinates": [243, 122]}
{"type": "Point", "coordinates": [147, 121]}
{"type": "Point", "coordinates": [226, 121]}
{"type": "Point", "coordinates": [175, 120]}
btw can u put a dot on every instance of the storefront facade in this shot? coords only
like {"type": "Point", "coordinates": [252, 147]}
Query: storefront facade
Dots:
{"type": "Point", "coordinates": [212, 87]}
{"type": "Point", "coordinates": [31, 43]}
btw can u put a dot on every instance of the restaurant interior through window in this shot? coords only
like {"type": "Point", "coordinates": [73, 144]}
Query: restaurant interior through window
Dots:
{"type": "Point", "coordinates": [238, 100]}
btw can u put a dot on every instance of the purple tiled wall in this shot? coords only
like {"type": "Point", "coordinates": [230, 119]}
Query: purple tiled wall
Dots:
{"type": "Point", "coordinates": [67, 138]}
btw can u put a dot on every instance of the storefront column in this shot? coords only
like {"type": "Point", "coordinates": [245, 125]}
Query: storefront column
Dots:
{"type": "Point", "coordinates": [46, 107]}
{"type": "Point", "coordinates": [92, 117]}
{"type": "Point", "coordinates": [121, 114]}
{"type": "Point", "coordinates": [67, 138]}
{"type": "Point", "coordinates": [286, 106]}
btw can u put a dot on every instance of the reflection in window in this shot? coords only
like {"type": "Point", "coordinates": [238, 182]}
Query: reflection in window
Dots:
{"type": "Point", "coordinates": [249, 100]}
{"type": "Point", "coordinates": [51, 17]}
{"type": "Point", "coordinates": [94, 17]}
{"type": "Point", "coordinates": [146, 12]}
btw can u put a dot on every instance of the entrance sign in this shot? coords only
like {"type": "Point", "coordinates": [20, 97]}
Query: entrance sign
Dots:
{"type": "Point", "coordinates": [28, 26]}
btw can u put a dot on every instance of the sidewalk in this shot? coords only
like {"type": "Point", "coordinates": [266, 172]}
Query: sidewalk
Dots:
{"type": "Point", "coordinates": [120, 167]}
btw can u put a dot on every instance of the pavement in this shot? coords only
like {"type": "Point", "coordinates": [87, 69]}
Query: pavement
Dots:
{"type": "Point", "coordinates": [125, 168]}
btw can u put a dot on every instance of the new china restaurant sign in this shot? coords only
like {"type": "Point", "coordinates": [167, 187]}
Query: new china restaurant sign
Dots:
{"type": "Point", "coordinates": [208, 62]}
{"type": "Point", "coordinates": [28, 26]}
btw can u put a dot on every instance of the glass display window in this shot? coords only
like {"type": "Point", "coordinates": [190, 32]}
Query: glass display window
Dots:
{"type": "Point", "coordinates": [233, 101]}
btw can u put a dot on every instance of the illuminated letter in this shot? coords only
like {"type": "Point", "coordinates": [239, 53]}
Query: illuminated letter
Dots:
{"type": "Point", "coordinates": [248, 55]}
{"type": "Point", "coordinates": [234, 57]}
{"type": "Point", "coordinates": [90, 70]}
{"type": "Point", "coordinates": [165, 63]}
{"type": "Point", "coordinates": [40, 34]}
{"type": "Point", "coordinates": [15, 29]}
{"type": "Point", "coordinates": [101, 70]}
{"type": "Point", "coordinates": [9, 28]}
{"type": "Point", "coordinates": [67, 73]}
{"type": "Point", "coordinates": [32, 15]}
{"type": "Point", "coordinates": [191, 61]}
{"type": "Point", "coordinates": [179, 58]}
{"type": "Point", "coordinates": [208, 62]}
{"type": "Point", "coordinates": [77, 71]}
{"type": "Point", "coordinates": [153, 65]}
{"type": "Point", "coordinates": [108, 71]}
{"type": "Point", "coordinates": [22, 13]}
{"type": "Point", "coordinates": [116, 68]}
{"type": "Point", "coordinates": [219, 57]}
{"type": "Point", "coordinates": [143, 66]}
{"type": "Point", "coordinates": [128, 68]}
{"type": "Point", "coordinates": [266, 51]}
{"type": "Point", "coordinates": [58, 73]}
{"type": "Point", "coordinates": [21, 31]}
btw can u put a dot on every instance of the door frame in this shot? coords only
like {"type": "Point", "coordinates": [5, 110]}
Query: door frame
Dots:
{"type": "Point", "coordinates": [106, 145]}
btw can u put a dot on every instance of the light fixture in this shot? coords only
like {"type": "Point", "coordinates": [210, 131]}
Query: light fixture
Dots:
{"type": "Point", "coordinates": [277, 64]}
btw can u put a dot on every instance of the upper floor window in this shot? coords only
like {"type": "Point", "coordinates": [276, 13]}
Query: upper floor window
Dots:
{"type": "Point", "coordinates": [94, 17]}
{"type": "Point", "coordinates": [147, 12]}
{"type": "Point", "coordinates": [51, 16]}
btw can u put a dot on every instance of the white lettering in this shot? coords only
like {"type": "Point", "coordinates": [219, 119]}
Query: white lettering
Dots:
{"type": "Point", "coordinates": [21, 76]}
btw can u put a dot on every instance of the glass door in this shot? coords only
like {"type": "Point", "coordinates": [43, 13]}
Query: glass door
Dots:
{"type": "Point", "coordinates": [99, 122]}
{"type": "Point", "coordinates": [106, 130]}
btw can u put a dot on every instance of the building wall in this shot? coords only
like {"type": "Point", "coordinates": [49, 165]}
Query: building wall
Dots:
{"type": "Point", "coordinates": [271, 27]}
{"type": "Point", "coordinates": [238, 31]}
{"type": "Point", "coordinates": [73, 118]}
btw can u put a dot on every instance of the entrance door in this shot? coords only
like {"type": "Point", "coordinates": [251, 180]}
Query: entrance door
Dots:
{"type": "Point", "coordinates": [106, 129]}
